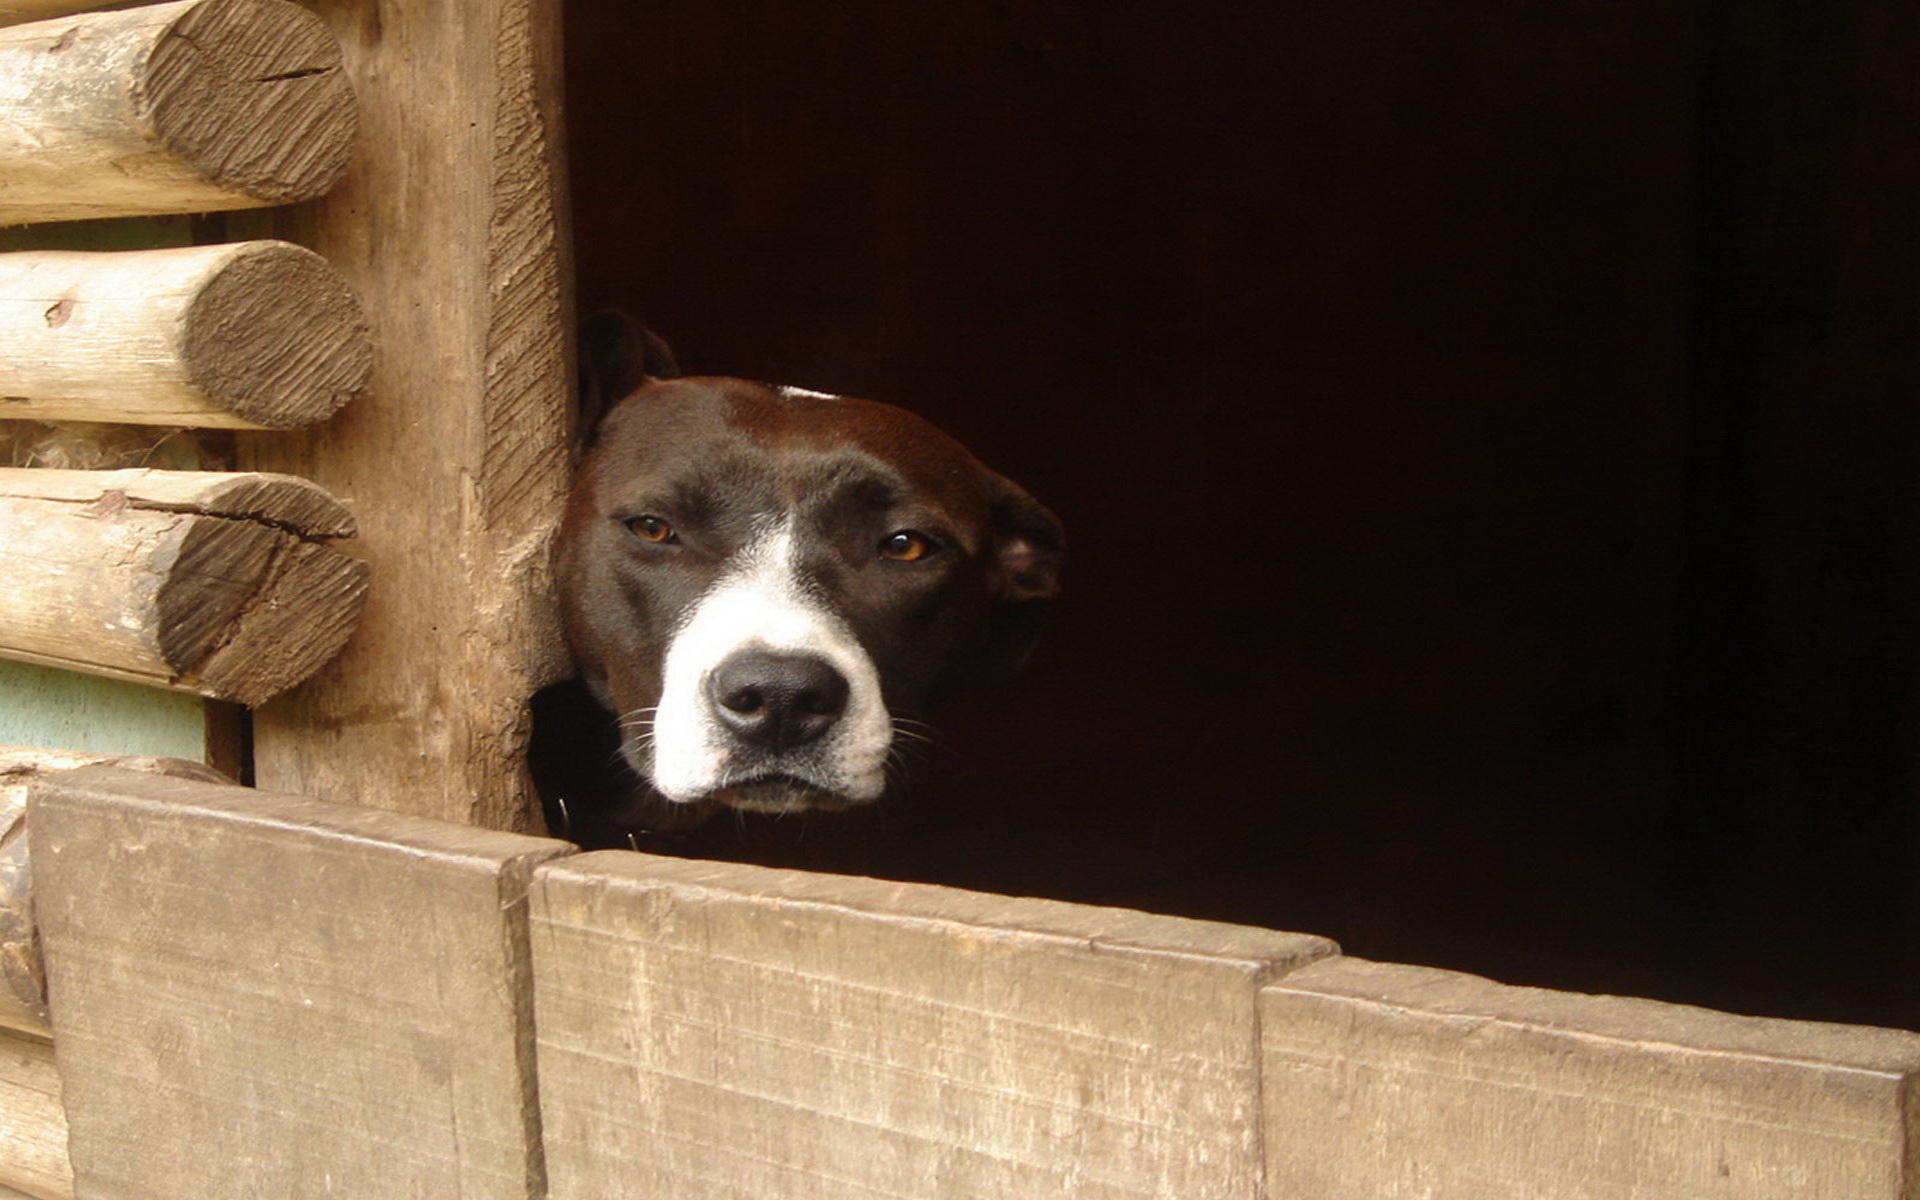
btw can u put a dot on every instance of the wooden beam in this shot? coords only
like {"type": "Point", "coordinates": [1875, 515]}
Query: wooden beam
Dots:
{"type": "Point", "coordinates": [247, 336]}
{"type": "Point", "coordinates": [194, 106]}
{"type": "Point", "coordinates": [450, 227]}
{"type": "Point", "coordinates": [206, 582]}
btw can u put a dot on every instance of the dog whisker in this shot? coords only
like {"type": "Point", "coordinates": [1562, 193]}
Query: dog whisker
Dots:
{"type": "Point", "coordinates": [639, 717]}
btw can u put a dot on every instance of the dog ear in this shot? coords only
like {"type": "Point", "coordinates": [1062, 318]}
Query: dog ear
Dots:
{"type": "Point", "coordinates": [617, 356]}
{"type": "Point", "coordinates": [1030, 549]}
{"type": "Point", "coordinates": [1029, 543]}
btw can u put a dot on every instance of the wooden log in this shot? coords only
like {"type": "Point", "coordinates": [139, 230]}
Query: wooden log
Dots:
{"type": "Point", "coordinates": [709, 1029]}
{"type": "Point", "coordinates": [193, 106]}
{"type": "Point", "coordinates": [1388, 1080]}
{"type": "Point", "coordinates": [263, 995]}
{"type": "Point", "coordinates": [246, 336]}
{"type": "Point", "coordinates": [23, 980]}
{"type": "Point", "coordinates": [13, 12]}
{"type": "Point", "coordinates": [33, 1122]}
{"type": "Point", "coordinates": [213, 583]}
{"type": "Point", "coordinates": [451, 227]}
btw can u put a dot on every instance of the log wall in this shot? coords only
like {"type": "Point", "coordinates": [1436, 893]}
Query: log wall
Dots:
{"type": "Point", "coordinates": [253, 992]}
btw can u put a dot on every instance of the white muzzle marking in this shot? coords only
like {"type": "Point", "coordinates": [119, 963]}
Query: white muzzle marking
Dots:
{"type": "Point", "coordinates": [760, 602]}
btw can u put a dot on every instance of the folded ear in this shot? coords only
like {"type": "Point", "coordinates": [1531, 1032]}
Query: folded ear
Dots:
{"type": "Point", "coordinates": [1030, 548]}
{"type": "Point", "coordinates": [617, 356]}
{"type": "Point", "coordinates": [1029, 543]}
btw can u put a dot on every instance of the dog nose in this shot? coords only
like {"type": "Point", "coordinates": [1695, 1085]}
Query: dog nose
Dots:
{"type": "Point", "coordinates": [777, 700]}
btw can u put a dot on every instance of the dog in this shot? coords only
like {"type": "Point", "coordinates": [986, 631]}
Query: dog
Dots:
{"type": "Point", "coordinates": [764, 588]}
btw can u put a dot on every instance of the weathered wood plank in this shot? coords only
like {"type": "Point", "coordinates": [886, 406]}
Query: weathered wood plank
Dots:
{"type": "Point", "coordinates": [23, 981]}
{"type": "Point", "coordinates": [451, 228]}
{"type": "Point", "coordinates": [262, 995]}
{"type": "Point", "coordinates": [245, 336]}
{"type": "Point", "coordinates": [710, 1030]}
{"type": "Point", "coordinates": [200, 581]}
{"type": "Point", "coordinates": [33, 1125]}
{"type": "Point", "coordinates": [193, 106]}
{"type": "Point", "coordinates": [1395, 1082]}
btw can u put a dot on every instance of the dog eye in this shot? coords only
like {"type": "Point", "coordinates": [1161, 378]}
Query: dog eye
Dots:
{"type": "Point", "coordinates": [908, 545]}
{"type": "Point", "coordinates": [649, 528]}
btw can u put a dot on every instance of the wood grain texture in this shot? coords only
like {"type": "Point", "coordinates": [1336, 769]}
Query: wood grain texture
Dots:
{"type": "Point", "coordinates": [33, 1125]}
{"type": "Point", "coordinates": [262, 995]}
{"type": "Point", "coordinates": [13, 12]}
{"type": "Point", "coordinates": [710, 1030]}
{"type": "Point", "coordinates": [1397, 1082]}
{"type": "Point", "coordinates": [193, 106]}
{"type": "Point", "coordinates": [23, 980]}
{"type": "Point", "coordinates": [217, 584]}
{"type": "Point", "coordinates": [247, 336]}
{"type": "Point", "coordinates": [450, 228]}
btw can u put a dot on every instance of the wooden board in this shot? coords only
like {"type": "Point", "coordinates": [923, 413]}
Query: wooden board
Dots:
{"type": "Point", "coordinates": [711, 1030]}
{"type": "Point", "coordinates": [23, 999]}
{"type": "Point", "coordinates": [33, 1125]}
{"type": "Point", "coordinates": [257, 994]}
{"type": "Point", "coordinates": [450, 228]}
{"type": "Point", "coordinates": [1395, 1082]}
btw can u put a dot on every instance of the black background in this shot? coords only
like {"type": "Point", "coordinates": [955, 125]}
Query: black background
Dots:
{"type": "Point", "coordinates": [1486, 431]}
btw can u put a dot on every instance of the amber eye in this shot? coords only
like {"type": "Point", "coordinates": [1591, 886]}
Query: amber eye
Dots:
{"type": "Point", "coordinates": [906, 546]}
{"type": "Point", "coordinates": [650, 528]}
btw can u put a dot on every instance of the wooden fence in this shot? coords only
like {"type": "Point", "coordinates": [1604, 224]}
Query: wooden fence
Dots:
{"type": "Point", "coordinates": [263, 995]}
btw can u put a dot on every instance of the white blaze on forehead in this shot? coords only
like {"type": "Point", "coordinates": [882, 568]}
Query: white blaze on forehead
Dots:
{"type": "Point", "coordinates": [760, 602]}
{"type": "Point", "coordinates": [798, 393]}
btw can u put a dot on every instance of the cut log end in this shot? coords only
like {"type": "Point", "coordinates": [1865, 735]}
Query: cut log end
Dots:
{"type": "Point", "coordinates": [277, 338]}
{"type": "Point", "coordinates": [219, 584]}
{"type": "Point", "coordinates": [300, 618]}
{"type": "Point", "coordinates": [253, 95]}
{"type": "Point", "coordinates": [248, 610]}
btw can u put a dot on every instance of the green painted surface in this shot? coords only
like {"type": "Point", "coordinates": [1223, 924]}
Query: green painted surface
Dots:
{"type": "Point", "coordinates": [123, 233]}
{"type": "Point", "coordinates": [64, 710]}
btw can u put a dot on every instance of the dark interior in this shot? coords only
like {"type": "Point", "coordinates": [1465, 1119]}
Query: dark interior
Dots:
{"type": "Point", "coordinates": [1486, 433]}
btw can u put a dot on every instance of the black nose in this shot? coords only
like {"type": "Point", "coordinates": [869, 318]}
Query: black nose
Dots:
{"type": "Point", "coordinates": [777, 700]}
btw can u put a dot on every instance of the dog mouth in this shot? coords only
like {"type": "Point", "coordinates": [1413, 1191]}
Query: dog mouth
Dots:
{"type": "Point", "coordinates": [778, 793]}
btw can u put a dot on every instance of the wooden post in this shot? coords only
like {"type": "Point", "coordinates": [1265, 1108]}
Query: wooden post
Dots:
{"type": "Point", "coordinates": [212, 583]}
{"type": "Point", "coordinates": [247, 336]}
{"type": "Point", "coordinates": [187, 107]}
{"type": "Point", "coordinates": [449, 226]}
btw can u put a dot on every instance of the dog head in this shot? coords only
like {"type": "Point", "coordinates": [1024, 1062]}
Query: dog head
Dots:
{"type": "Point", "coordinates": [762, 582]}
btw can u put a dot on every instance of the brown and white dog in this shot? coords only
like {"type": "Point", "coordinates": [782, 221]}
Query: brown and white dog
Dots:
{"type": "Point", "coordinates": [761, 584]}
